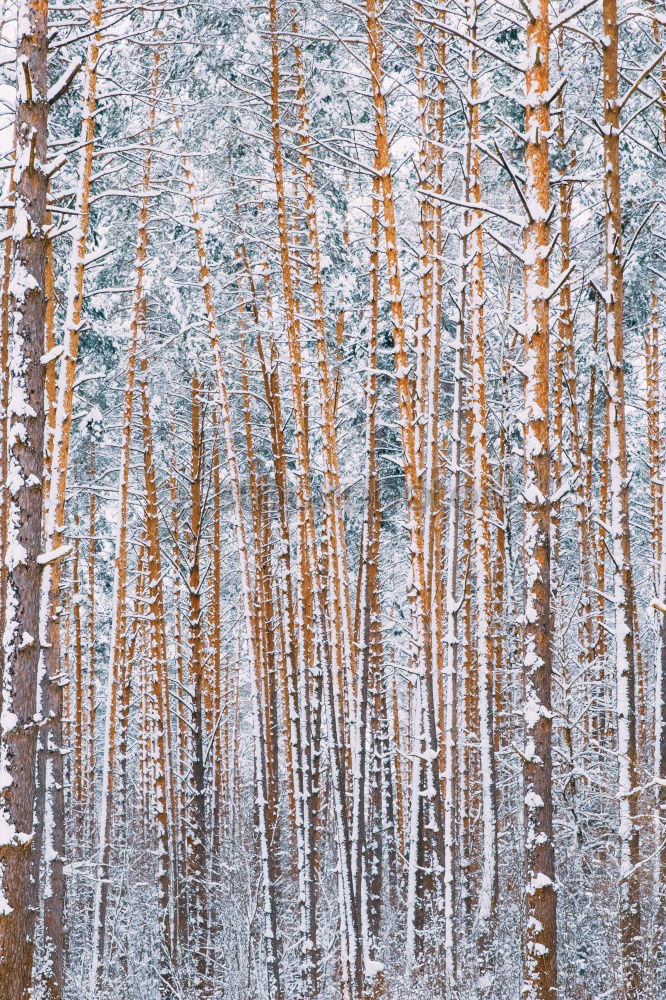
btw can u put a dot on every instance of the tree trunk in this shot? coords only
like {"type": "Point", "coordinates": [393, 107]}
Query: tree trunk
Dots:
{"type": "Point", "coordinates": [425, 772]}
{"type": "Point", "coordinates": [117, 650]}
{"type": "Point", "coordinates": [481, 525]}
{"type": "Point", "coordinates": [260, 774]}
{"type": "Point", "coordinates": [199, 833]}
{"type": "Point", "coordinates": [159, 697]}
{"type": "Point", "coordinates": [25, 417]}
{"type": "Point", "coordinates": [540, 928]}
{"type": "Point", "coordinates": [623, 593]}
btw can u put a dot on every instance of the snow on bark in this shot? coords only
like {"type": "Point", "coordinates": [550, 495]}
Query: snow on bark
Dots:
{"type": "Point", "coordinates": [25, 444]}
{"type": "Point", "coordinates": [540, 933]}
{"type": "Point", "coordinates": [623, 586]}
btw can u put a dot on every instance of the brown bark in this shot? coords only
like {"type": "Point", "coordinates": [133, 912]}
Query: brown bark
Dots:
{"type": "Point", "coordinates": [58, 439]}
{"type": "Point", "coordinates": [326, 680]}
{"type": "Point", "coordinates": [340, 617]}
{"type": "Point", "coordinates": [221, 707]}
{"type": "Point", "coordinates": [540, 928]}
{"type": "Point", "coordinates": [655, 444]}
{"type": "Point", "coordinates": [159, 695]}
{"type": "Point", "coordinates": [24, 484]}
{"type": "Point", "coordinates": [91, 696]}
{"type": "Point", "coordinates": [623, 596]}
{"type": "Point", "coordinates": [4, 424]}
{"type": "Point", "coordinates": [418, 592]}
{"type": "Point", "coordinates": [480, 498]}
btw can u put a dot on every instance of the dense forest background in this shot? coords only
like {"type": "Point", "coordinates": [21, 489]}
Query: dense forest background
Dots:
{"type": "Point", "coordinates": [334, 611]}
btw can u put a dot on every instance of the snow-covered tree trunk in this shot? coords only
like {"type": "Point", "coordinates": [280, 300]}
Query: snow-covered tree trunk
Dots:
{"type": "Point", "coordinates": [117, 647]}
{"type": "Point", "coordinates": [5, 379]}
{"type": "Point", "coordinates": [363, 627]}
{"type": "Point", "coordinates": [24, 485]}
{"type": "Point", "coordinates": [260, 774]}
{"type": "Point", "coordinates": [655, 444]}
{"type": "Point", "coordinates": [216, 643]}
{"type": "Point", "coordinates": [295, 662]}
{"type": "Point", "coordinates": [330, 679]}
{"type": "Point", "coordinates": [338, 571]}
{"type": "Point", "coordinates": [49, 840]}
{"type": "Point", "coordinates": [659, 817]}
{"type": "Point", "coordinates": [181, 924]}
{"type": "Point", "coordinates": [623, 593]}
{"type": "Point", "coordinates": [602, 721]}
{"type": "Point", "coordinates": [91, 687]}
{"type": "Point", "coordinates": [132, 681]}
{"type": "Point", "coordinates": [77, 761]}
{"type": "Point", "coordinates": [659, 985]}
{"type": "Point", "coordinates": [431, 82]}
{"type": "Point", "coordinates": [198, 832]}
{"type": "Point", "coordinates": [425, 773]}
{"type": "Point", "coordinates": [540, 927]}
{"type": "Point", "coordinates": [58, 439]}
{"type": "Point", "coordinates": [481, 518]}
{"type": "Point", "coordinates": [159, 701]}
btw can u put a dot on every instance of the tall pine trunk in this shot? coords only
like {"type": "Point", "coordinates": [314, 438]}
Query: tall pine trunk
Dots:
{"type": "Point", "coordinates": [623, 592]}
{"type": "Point", "coordinates": [540, 928]}
{"type": "Point", "coordinates": [25, 419]}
